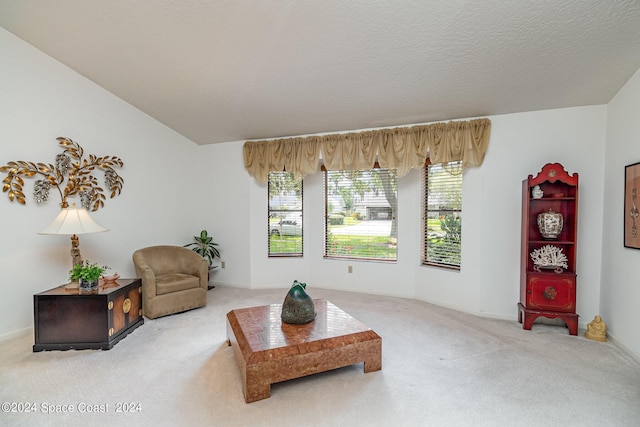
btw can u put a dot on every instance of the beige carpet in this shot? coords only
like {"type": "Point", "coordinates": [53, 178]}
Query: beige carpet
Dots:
{"type": "Point", "coordinates": [439, 368]}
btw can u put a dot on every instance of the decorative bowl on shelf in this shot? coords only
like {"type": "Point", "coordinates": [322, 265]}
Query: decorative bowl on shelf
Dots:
{"type": "Point", "coordinates": [555, 268]}
{"type": "Point", "coordinates": [109, 280]}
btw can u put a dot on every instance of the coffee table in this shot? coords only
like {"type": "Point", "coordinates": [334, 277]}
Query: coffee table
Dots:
{"type": "Point", "coordinates": [269, 351]}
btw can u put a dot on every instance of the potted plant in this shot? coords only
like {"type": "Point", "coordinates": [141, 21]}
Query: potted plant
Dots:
{"type": "Point", "coordinates": [206, 247]}
{"type": "Point", "coordinates": [87, 274]}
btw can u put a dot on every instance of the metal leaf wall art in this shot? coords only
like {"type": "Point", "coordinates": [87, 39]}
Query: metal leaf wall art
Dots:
{"type": "Point", "coordinates": [70, 166]}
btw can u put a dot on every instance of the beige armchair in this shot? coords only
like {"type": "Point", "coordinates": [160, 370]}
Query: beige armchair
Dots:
{"type": "Point", "coordinates": [174, 279]}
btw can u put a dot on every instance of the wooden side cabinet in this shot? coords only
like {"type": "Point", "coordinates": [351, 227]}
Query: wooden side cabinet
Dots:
{"type": "Point", "coordinates": [548, 260]}
{"type": "Point", "coordinates": [67, 319]}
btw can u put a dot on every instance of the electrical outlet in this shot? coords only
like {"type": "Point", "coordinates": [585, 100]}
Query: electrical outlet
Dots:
{"type": "Point", "coordinates": [350, 269]}
{"type": "Point", "coordinates": [223, 264]}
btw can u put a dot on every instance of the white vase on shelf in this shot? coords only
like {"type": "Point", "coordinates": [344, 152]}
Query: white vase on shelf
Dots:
{"type": "Point", "coordinates": [550, 224]}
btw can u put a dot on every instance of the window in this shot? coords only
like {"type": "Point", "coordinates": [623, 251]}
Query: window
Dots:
{"type": "Point", "coordinates": [361, 214]}
{"type": "Point", "coordinates": [442, 218]}
{"type": "Point", "coordinates": [284, 225]}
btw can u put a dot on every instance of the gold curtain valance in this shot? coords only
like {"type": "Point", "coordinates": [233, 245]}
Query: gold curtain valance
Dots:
{"type": "Point", "coordinates": [398, 148]}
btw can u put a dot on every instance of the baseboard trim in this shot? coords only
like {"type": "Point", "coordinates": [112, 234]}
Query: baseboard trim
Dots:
{"type": "Point", "coordinates": [17, 334]}
{"type": "Point", "coordinates": [626, 350]}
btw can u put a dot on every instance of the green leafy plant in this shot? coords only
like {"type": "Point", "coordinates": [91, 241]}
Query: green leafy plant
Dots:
{"type": "Point", "coordinates": [87, 272]}
{"type": "Point", "coordinates": [452, 226]}
{"type": "Point", "coordinates": [445, 248]}
{"type": "Point", "coordinates": [204, 246]}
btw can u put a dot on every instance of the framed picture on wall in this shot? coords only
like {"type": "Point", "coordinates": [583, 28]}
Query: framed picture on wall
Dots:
{"type": "Point", "coordinates": [631, 206]}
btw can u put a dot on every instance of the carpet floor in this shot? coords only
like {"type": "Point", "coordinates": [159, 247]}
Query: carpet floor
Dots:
{"type": "Point", "coordinates": [440, 367]}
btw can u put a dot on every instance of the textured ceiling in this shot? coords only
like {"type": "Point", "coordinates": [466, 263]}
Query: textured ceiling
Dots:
{"type": "Point", "coordinates": [230, 70]}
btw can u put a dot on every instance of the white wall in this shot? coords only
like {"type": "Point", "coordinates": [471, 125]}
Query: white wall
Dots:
{"type": "Point", "coordinates": [379, 278]}
{"type": "Point", "coordinates": [223, 208]}
{"type": "Point", "coordinates": [620, 295]}
{"type": "Point", "coordinates": [41, 100]}
{"type": "Point", "coordinates": [520, 145]}
{"type": "Point", "coordinates": [488, 283]}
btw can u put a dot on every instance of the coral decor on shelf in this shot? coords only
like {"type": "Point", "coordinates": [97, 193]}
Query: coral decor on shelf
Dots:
{"type": "Point", "coordinates": [549, 257]}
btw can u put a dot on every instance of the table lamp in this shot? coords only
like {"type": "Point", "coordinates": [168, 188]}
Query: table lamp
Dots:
{"type": "Point", "coordinates": [74, 221]}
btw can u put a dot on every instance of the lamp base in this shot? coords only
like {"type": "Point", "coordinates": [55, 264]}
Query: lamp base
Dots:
{"type": "Point", "coordinates": [76, 258]}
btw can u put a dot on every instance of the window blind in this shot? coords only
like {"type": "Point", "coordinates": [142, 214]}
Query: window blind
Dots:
{"type": "Point", "coordinates": [284, 219]}
{"type": "Point", "coordinates": [442, 217]}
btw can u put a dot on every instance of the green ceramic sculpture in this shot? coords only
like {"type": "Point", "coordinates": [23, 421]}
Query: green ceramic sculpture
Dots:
{"type": "Point", "coordinates": [298, 306]}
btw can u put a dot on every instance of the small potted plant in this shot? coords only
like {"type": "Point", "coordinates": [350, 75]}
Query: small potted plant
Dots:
{"type": "Point", "coordinates": [205, 246]}
{"type": "Point", "coordinates": [87, 275]}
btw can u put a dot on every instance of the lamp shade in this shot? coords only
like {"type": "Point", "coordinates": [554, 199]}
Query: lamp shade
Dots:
{"type": "Point", "coordinates": [73, 220]}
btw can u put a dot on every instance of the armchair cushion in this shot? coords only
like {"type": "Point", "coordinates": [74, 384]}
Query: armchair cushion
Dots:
{"type": "Point", "coordinates": [174, 282]}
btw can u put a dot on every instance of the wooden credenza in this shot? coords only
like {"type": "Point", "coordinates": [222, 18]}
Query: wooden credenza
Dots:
{"type": "Point", "coordinates": [67, 319]}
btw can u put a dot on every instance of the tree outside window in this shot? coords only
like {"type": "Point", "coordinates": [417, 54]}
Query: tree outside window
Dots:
{"type": "Point", "coordinates": [361, 219]}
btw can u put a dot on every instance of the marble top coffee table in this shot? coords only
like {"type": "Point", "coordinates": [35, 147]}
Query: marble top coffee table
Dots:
{"type": "Point", "coordinates": [269, 351]}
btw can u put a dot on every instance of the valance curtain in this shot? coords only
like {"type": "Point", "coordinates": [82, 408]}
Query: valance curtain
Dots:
{"type": "Point", "coordinates": [398, 148]}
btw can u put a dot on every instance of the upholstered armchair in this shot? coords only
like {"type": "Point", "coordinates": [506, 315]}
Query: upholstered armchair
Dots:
{"type": "Point", "coordinates": [174, 279]}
